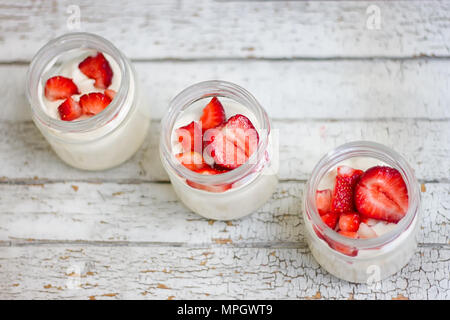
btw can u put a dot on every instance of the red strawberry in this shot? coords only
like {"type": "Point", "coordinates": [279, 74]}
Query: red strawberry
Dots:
{"type": "Point", "coordinates": [330, 219]}
{"type": "Point", "coordinates": [69, 110]}
{"type": "Point", "coordinates": [349, 234]}
{"type": "Point", "coordinates": [349, 222]}
{"type": "Point", "coordinates": [93, 103]}
{"type": "Point", "coordinates": [97, 68]}
{"type": "Point", "coordinates": [233, 143]}
{"type": "Point", "coordinates": [346, 180]}
{"type": "Point", "coordinates": [348, 251]}
{"type": "Point", "coordinates": [191, 160]}
{"type": "Point", "coordinates": [213, 115]}
{"type": "Point", "coordinates": [351, 174]}
{"type": "Point", "coordinates": [190, 137]}
{"type": "Point", "coordinates": [60, 88]}
{"type": "Point", "coordinates": [381, 193]}
{"type": "Point", "coordinates": [210, 188]}
{"type": "Point", "coordinates": [240, 130]}
{"type": "Point", "coordinates": [323, 201]}
{"type": "Point", "coordinates": [110, 93]}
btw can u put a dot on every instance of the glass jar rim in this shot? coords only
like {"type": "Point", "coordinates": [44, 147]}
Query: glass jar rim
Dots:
{"type": "Point", "coordinates": [204, 90]}
{"type": "Point", "coordinates": [363, 149]}
{"type": "Point", "coordinates": [55, 48]}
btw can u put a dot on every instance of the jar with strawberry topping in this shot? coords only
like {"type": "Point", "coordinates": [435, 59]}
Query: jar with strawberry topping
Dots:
{"type": "Point", "coordinates": [362, 211]}
{"type": "Point", "coordinates": [85, 100]}
{"type": "Point", "coordinates": [217, 148]}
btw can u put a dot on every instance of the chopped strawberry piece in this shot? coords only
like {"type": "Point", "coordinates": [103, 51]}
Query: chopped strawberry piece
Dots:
{"type": "Point", "coordinates": [351, 174]}
{"type": "Point", "coordinates": [323, 201]}
{"type": "Point", "coordinates": [232, 144]}
{"type": "Point", "coordinates": [342, 196]}
{"type": "Point", "coordinates": [210, 188]}
{"type": "Point", "coordinates": [94, 103]}
{"type": "Point", "coordinates": [191, 160]}
{"type": "Point", "coordinates": [381, 193]}
{"type": "Point", "coordinates": [240, 130]}
{"type": "Point", "coordinates": [190, 137]}
{"type": "Point", "coordinates": [349, 222]}
{"type": "Point", "coordinates": [110, 93]}
{"type": "Point", "coordinates": [349, 234]}
{"type": "Point", "coordinates": [69, 110]}
{"type": "Point", "coordinates": [348, 251]}
{"type": "Point", "coordinates": [346, 180]}
{"type": "Point", "coordinates": [97, 68]}
{"type": "Point", "coordinates": [330, 219]}
{"type": "Point", "coordinates": [213, 115]}
{"type": "Point", "coordinates": [58, 87]}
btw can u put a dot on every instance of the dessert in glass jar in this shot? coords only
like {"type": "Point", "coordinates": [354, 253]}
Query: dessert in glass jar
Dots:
{"type": "Point", "coordinates": [85, 100]}
{"type": "Point", "coordinates": [216, 146]}
{"type": "Point", "coordinates": [362, 211]}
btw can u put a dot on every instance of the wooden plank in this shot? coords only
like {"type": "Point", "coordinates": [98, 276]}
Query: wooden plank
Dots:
{"type": "Point", "coordinates": [133, 272]}
{"type": "Point", "coordinates": [162, 29]}
{"type": "Point", "coordinates": [287, 89]}
{"type": "Point", "coordinates": [151, 213]}
{"type": "Point", "coordinates": [25, 154]}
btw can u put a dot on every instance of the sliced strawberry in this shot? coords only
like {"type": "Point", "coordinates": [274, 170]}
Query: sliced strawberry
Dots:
{"type": "Point", "coordinates": [110, 93]}
{"type": "Point", "coordinates": [323, 201]}
{"type": "Point", "coordinates": [233, 143]}
{"type": "Point", "coordinates": [349, 222]}
{"type": "Point", "coordinates": [346, 180]}
{"type": "Point", "coordinates": [94, 103]}
{"type": "Point", "coordinates": [213, 115]}
{"type": "Point", "coordinates": [342, 196]}
{"type": "Point", "coordinates": [349, 234]}
{"type": "Point", "coordinates": [69, 110]}
{"type": "Point", "coordinates": [58, 87]}
{"type": "Point", "coordinates": [381, 193]}
{"type": "Point", "coordinates": [190, 137]}
{"type": "Point", "coordinates": [97, 68]}
{"type": "Point", "coordinates": [240, 130]}
{"type": "Point", "coordinates": [348, 251]}
{"type": "Point", "coordinates": [330, 219]}
{"type": "Point", "coordinates": [351, 174]}
{"type": "Point", "coordinates": [191, 160]}
{"type": "Point", "coordinates": [210, 188]}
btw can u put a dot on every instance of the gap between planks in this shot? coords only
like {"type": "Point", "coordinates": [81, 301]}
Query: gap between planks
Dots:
{"type": "Point", "coordinates": [151, 244]}
{"type": "Point", "coordinates": [268, 59]}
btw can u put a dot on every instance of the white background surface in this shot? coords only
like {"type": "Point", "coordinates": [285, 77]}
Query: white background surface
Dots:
{"type": "Point", "coordinates": [324, 77]}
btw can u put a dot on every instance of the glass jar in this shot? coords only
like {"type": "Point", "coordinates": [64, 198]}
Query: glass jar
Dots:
{"type": "Point", "coordinates": [104, 140]}
{"type": "Point", "coordinates": [252, 183]}
{"type": "Point", "coordinates": [368, 260]}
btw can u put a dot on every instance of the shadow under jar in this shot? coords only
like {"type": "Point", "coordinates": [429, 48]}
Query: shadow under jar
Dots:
{"type": "Point", "coordinates": [252, 183]}
{"type": "Point", "coordinates": [106, 139]}
{"type": "Point", "coordinates": [368, 260]}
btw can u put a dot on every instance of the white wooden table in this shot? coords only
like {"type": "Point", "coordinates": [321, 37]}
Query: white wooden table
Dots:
{"type": "Point", "coordinates": [324, 74]}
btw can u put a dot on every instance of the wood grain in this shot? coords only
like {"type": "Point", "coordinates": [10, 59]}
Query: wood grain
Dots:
{"type": "Point", "coordinates": [149, 213]}
{"type": "Point", "coordinates": [378, 89]}
{"type": "Point", "coordinates": [26, 156]}
{"type": "Point", "coordinates": [135, 272]}
{"type": "Point", "coordinates": [241, 29]}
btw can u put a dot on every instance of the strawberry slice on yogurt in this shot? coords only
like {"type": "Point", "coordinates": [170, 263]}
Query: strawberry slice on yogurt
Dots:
{"type": "Point", "coordinates": [232, 144]}
{"type": "Point", "coordinates": [381, 194]}
{"type": "Point", "coordinates": [60, 87]}
{"type": "Point", "coordinates": [69, 110]}
{"type": "Point", "coordinates": [98, 68]}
